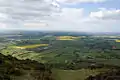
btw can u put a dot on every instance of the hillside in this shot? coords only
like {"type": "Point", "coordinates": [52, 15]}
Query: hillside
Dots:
{"type": "Point", "coordinates": [14, 69]}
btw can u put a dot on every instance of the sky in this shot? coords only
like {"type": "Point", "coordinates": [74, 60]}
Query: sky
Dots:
{"type": "Point", "coordinates": [60, 15]}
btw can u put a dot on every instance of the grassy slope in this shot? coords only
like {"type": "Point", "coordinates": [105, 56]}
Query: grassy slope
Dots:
{"type": "Point", "coordinates": [22, 54]}
{"type": "Point", "coordinates": [14, 69]}
{"type": "Point", "coordinates": [75, 74]}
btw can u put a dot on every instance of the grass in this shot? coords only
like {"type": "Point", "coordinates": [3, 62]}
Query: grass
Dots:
{"type": "Point", "coordinates": [75, 74]}
{"type": "Point", "coordinates": [23, 54]}
{"type": "Point", "coordinates": [66, 38]}
{"type": "Point", "coordinates": [30, 46]}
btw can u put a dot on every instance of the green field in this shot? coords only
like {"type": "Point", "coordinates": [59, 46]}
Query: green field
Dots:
{"type": "Point", "coordinates": [75, 74]}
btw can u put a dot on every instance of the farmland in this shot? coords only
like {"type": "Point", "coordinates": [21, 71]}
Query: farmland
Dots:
{"type": "Point", "coordinates": [66, 55]}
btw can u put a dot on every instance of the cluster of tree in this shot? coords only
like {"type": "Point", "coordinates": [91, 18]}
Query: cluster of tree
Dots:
{"type": "Point", "coordinates": [81, 64]}
{"type": "Point", "coordinates": [113, 74]}
{"type": "Point", "coordinates": [43, 40]}
{"type": "Point", "coordinates": [93, 43]}
{"type": "Point", "coordinates": [27, 42]}
{"type": "Point", "coordinates": [38, 49]}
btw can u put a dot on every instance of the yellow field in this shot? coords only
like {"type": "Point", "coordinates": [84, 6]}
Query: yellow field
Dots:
{"type": "Point", "coordinates": [67, 38]}
{"type": "Point", "coordinates": [117, 40]}
{"type": "Point", "coordinates": [30, 46]}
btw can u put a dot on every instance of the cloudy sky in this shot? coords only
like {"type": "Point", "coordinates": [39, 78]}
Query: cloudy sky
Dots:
{"type": "Point", "coordinates": [60, 15]}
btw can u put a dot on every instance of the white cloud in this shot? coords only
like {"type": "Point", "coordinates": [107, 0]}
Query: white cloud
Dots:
{"type": "Point", "coordinates": [35, 25]}
{"type": "Point", "coordinates": [72, 19]}
{"type": "Point", "coordinates": [45, 15]}
{"type": "Point", "coordinates": [106, 14]}
{"type": "Point", "coordinates": [3, 16]}
{"type": "Point", "coordinates": [81, 1]}
{"type": "Point", "coordinates": [21, 10]}
{"type": "Point", "coordinates": [16, 13]}
{"type": "Point", "coordinates": [69, 14]}
{"type": "Point", "coordinates": [2, 26]}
